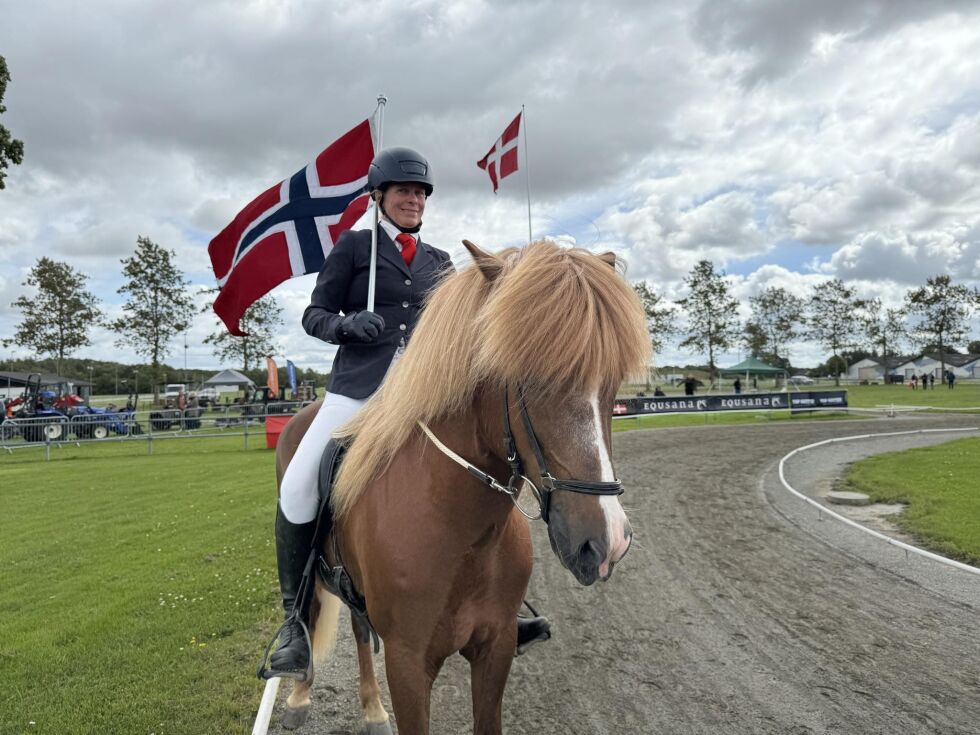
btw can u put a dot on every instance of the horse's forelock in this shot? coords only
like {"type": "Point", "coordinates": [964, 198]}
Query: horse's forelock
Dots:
{"type": "Point", "coordinates": [553, 318]}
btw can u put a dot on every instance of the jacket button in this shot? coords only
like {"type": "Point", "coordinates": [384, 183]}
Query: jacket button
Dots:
{"type": "Point", "coordinates": [402, 327]}
{"type": "Point", "coordinates": [404, 304]}
{"type": "Point", "coordinates": [408, 281]}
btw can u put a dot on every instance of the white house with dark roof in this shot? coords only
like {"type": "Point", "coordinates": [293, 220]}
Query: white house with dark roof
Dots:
{"type": "Point", "coordinates": [901, 368]}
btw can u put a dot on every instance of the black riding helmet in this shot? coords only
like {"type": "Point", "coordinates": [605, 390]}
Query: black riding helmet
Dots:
{"type": "Point", "coordinates": [399, 165]}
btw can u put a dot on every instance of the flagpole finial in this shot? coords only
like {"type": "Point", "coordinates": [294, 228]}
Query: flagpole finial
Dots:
{"type": "Point", "coordinates": [382, 99]}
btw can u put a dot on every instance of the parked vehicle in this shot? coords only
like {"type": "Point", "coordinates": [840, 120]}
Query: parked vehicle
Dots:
{"type": "Point", "coordinates": [800, 380]}
{"type": "Point", "coordinates": [34, 413]}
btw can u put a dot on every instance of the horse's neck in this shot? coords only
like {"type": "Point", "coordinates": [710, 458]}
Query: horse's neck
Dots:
{"type": "Point", "coordinates": [477, 435]}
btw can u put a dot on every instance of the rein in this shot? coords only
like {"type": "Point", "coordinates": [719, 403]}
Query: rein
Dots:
{"type": "Point", "coordinates": [549, 483]}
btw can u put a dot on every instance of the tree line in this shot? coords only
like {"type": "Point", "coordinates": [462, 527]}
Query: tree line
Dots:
{"type": "Point", "coordinates": [58, 318]}
{"type": "Point", "coordinates": [935, 316]}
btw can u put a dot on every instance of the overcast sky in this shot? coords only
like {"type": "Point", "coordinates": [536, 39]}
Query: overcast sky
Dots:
{"type": "Point", "coordinates": [788, 141]}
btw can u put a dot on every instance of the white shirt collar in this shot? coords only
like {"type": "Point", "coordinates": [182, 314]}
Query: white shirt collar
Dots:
{"type": "Point", "coordinates": [394, 232]}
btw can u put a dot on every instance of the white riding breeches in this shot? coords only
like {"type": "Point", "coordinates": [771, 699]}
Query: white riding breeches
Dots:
{"type": "Point", "coordinates": [298, 495]}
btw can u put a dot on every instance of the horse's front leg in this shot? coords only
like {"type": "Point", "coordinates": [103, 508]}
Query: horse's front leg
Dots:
{"type": "Point", "coordinates": [373, 711]}
{"type": "Point", "coordinates": [489, 668]}
{"type": "Point", "coordinates": [410, 679]}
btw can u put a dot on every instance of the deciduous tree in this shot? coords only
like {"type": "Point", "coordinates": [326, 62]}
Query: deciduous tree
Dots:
{"type": "Point", "coordinates": [778, 315]}
{"type": "Point", "coordinates": [712, 312]}
{"type": "Point", "coordinates": [259, 322]}
{"type": "Point", "coordinates": [58, 317]}
{"type": "Point", "coordinates": [158, 306]}
{"type": "Point", "coordinates": [11, 150]}
{"type": "Point", "coordinates": [661, 318]}
{"type": "Point", "coordinates": [833, 318]}
{"type": "Point", "coordinates": [944, 310]}
{"type": "Point", "coordinates": [884, 328]}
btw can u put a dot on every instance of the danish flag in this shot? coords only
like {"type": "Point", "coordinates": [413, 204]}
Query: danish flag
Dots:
{"type": "Point", "coordinates": [288, 230]}
{"type": "Point", "coordinates": [501, 160]}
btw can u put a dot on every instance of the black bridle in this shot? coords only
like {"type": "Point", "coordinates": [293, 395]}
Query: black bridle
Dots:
{"type": "Point", "coordinates": [549, 483]}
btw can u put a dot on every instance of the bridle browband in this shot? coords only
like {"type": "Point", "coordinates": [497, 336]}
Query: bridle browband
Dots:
{"type": "Point", "coordinates": [549, 483]}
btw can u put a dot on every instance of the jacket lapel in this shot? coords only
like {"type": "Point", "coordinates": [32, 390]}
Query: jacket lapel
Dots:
{"type": "Point", "coordinates": [423, 258]}
{"type": "Point", "coordinates": [388, 250]}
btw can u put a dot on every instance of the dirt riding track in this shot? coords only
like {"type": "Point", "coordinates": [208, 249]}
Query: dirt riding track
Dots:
{"type": "Point", "coordinates": [738, 609]}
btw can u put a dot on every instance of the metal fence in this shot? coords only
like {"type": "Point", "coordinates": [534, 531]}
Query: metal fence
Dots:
{"type": "Point", "coordinates": [145, 426]}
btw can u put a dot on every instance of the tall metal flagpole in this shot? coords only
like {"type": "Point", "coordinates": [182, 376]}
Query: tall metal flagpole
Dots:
{"type": "Point", "coordinates": [380, 112]}
{"type": "Point", "coordinates": [527, 174]}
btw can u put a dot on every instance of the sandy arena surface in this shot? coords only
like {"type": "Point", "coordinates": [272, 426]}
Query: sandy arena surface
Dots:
{"type": "Point", "coordinates": [739, 609]}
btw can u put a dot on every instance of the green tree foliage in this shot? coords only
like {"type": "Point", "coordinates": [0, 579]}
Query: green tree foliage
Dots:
{"type": "Point", "coordinates": [259, 323]}
{"type": "Point", "coordinates": [833, 318]}
{"type": "Point", "coordinates": [944, 310]}
{"type": "Point", "coordinates": [884, 328]}
{"type": "Point", "coordinates": [974, 347]}
{"type": "Point", "coordinates": [777, 316]}
{"type": "Point", "coordinates": [57, 318]}
{"type": "Point", "coordinates": [712, 312]}
{"type": "Point", "coordinates": [660, 317]}
{"type": "Point", "coordinates": [157, 306]}
{"type": "Point", "coordinates": [11, 150]}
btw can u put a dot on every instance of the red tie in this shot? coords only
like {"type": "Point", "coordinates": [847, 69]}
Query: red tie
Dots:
{"type": "Point", "coordinates": [408, 247]}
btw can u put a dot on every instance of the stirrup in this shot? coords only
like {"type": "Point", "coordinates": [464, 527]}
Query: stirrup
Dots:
{"type": "Point", "coordinates": [265, 672]}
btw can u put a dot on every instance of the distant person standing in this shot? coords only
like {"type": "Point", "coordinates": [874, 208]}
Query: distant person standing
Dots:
{"type": "Point", "coordinates": [914, 382]}
{"type": "Point", "coordinates": [925, 381]}
{"type": "Point", "coordinates": [737, 385]}
{"type": "Point", "coordinates": [950, 378]}
{"type": "Point", "coordinates": [932, 381]}
{"type": "Point", "coordinates": [689, 385]}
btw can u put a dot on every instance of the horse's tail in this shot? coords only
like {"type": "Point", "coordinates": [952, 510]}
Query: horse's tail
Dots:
{"type": "Point", "coordinates": [324, 625]}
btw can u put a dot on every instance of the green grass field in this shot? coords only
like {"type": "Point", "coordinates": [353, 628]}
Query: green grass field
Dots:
{"type": "Point", "coordinates": [137, 590]}
{"type": "Point", "coordinates": [940, 486]}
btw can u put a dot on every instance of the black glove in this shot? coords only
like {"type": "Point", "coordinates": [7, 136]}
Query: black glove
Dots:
{"type": "Point", "coordinates": [360, 326]}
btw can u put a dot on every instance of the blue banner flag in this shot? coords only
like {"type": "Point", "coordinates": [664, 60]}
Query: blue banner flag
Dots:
{"type": "Point", "coordinates": [291, 372]}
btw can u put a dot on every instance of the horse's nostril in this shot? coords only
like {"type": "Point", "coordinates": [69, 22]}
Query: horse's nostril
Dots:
{"type": "Point", "coordinates": [590, 554]}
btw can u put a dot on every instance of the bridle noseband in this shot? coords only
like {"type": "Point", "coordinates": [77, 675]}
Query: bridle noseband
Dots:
{"type": "Point", "coordinates": [549, 483]}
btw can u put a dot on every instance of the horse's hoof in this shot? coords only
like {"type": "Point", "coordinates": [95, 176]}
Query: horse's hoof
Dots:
{"type": "Point", "coordinates": [293, 717]}
{"type": "Point", "coordinates": [377, 728]}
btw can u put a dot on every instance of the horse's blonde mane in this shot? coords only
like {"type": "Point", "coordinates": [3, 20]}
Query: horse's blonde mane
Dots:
{"type": "Point", "coordinates": [555, 320]}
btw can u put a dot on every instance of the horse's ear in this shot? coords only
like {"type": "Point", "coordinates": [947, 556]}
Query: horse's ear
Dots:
{"type": "Point", "coordinates": [489, 264]}
{"type": "Point", "coordinates": [608, 257]}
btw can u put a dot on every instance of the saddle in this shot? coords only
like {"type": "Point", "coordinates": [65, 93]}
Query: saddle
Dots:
{"type": "Point", "coordinates": [333, 576]}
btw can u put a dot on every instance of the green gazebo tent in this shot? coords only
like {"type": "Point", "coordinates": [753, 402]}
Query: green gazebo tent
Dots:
{"type": "Point", "coordinates": [752, 366]}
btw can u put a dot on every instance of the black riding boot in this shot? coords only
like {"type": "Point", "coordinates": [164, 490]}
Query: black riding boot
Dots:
{"type": "Point", "coordinates": [294, 542]}
{"type": "Point", "coordinates": [531, 630]}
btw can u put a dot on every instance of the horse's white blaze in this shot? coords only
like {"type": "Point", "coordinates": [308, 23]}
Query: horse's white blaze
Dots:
{"type": "Point", "coordinates": [616, 523]}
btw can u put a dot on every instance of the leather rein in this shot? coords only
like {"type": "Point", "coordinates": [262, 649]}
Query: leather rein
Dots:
{"type": "Point", "coordinates": [549, 483]}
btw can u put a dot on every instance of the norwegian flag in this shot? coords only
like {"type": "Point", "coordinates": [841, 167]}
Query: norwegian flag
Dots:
{"type": "Point", "coordinates": [288, 230]}
{"type": "Point", "coordinates": [501, 160]}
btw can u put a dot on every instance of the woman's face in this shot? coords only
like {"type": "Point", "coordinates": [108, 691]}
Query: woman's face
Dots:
{"type": "Point", "coordinates": [405, 203]}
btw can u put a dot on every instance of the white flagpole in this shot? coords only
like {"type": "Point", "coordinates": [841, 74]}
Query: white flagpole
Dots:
{"type": "Point", "coordinates": [380, 111]}
{"type": "Point", "coordinates": [527, 174]}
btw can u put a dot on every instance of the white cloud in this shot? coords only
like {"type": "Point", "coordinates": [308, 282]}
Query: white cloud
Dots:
{"type": "Point", "coordinates": [743, 132]}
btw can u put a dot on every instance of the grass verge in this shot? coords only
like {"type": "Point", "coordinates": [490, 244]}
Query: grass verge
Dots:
{"type": "Point", "coordinates": [138, 591]}
{"type": "Point", "coordinates": [939, 486]}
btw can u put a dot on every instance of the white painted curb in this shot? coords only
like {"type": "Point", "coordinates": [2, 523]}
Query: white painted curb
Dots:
{"type": "Point", "coordinates": [848, 521]}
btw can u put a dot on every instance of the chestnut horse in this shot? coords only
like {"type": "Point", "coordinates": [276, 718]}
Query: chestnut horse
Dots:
{"type": "Point", "coordinates": [532, 343]}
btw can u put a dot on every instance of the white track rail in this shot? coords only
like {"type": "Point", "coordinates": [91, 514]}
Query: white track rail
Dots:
{"type": "Point", "coordinates": [264, 715]}
{"type": "Point", "coordinates": [848, 521]}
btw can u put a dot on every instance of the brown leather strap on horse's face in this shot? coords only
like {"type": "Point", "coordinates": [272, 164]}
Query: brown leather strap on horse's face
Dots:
{"type": "Point", "coordinates": [549, 483]}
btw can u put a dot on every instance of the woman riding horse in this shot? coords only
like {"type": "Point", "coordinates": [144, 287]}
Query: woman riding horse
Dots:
{"type": "Point", "coordinates": [401, 181]}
